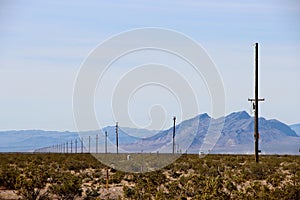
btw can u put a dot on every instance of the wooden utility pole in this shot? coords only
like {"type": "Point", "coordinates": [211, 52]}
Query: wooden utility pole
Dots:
{"type": "Point", "coordinates": [117, 138]}
{"type": "Point", "coordinates": [255, 106]}
{"type": "Point", "coordinates": [105, 141]}
{"type": "Point", "coordinates": [174, 123]}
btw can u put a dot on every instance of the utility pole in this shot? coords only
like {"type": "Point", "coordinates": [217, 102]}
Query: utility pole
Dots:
{"type": "Point", "coordinates": [105, 141]}
{"type": "Point", "coordinates": [67, 147]}
{"type": "Point", "coordinates": [117, 138]}
{"type": "Point", "coordinates": [71, 146]}
{"type": "Point", "coordinates": [255, 106]}
{"type": "Point", "coordinates": [174, 123]}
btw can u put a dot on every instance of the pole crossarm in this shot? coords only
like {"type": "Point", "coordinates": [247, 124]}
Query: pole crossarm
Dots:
{"type": "Point", "coordinates": [263, 99]}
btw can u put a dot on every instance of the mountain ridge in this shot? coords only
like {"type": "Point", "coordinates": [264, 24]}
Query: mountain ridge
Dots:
{"type": "Point", "coordinates": [296, 128]}
{"type": "Point", "coordinates": [236, 136]}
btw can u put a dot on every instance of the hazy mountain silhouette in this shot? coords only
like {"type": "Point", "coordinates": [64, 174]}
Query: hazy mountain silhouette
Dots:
{"type": "Point", "coordinates": [236, 137]}
{"type": "Point", "coordinates": [296, 128]}
{"type": "Point", "coordinates": [275, 136]}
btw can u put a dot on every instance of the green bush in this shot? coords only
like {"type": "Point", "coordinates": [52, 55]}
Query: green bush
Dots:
{"type": "Point", "coordinates": [117, 177]}
{"type": "Point", "coordinates": [92, 194]}
{"type": "Point", "coordinates": [27, 189]}
{"type": "Point", "coordinates": [66, 186]}
{"type": "Point", "coordinates": [8, 177]}
{"type": "Point", "coordinates": [129, 192]}
{"type": "Point", "coordinates": [189, 177]}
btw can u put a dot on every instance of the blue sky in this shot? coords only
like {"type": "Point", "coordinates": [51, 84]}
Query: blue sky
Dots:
{"type": "Point", "coordinates": [43, 44]}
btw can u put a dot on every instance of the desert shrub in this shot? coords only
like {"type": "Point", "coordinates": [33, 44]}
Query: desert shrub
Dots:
{"type": "Point", "coordinates": [230, 186]}
{"type": "Point", "coordinates": [8, 177]}
{"type": "Point", "coordinates": [129, 192]}
{"type": "Point", "coordinates": [147, 185]}
{"type": "Point", "coordinates": [291, 192]}
{"type": "Point", "coordinates": [174, 189]}
{"type": "Point", "coordinates": [275, 179]}
{"type": "Point", "coordinates": [38, 174]}
{"type": "Point", "coordinates": [66, 186]}
{"type": "Point", "coordinates": [117, 177]}
{"type": "Point", "coordinates": [253, 171]}
{"type": "Point", "coordinates": [28, 189]}
{"type": "Point", "coordinates": [92, 193]}
{"type": "Point", "coordinates": [213, 189]}
{"type": "Point", "coordinates": [211, 177]}
{"type": "Point", "coordinates": [175, 174]}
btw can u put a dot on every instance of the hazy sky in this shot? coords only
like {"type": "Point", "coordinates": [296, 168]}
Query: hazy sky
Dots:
{"type": "Point", "coordinates": [43, 44]}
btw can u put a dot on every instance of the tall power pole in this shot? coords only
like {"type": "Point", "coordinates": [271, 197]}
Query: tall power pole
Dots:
{"type": "Point", "coordinates": [174, 123]}
{"type": "Point", "coordinates": [117, 138]}
{"type": "Point", "coordinates": [255, 106]}
{"type": "Point", "coordinates": [105, 141]}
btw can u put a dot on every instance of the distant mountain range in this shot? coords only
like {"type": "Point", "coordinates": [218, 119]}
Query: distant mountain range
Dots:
{"type": "Point", "coordinates": [296, 128]}
{"type": "Point", "coordinates": [191, 135]}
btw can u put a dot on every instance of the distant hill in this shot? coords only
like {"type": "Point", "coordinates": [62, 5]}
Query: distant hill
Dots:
{"type": "Point", "coordinates": [28, 140]}
{"type": "Point", "coordinates": [236, 137]}
{"type": "Point", "coordinates": [296, 128]}
{"type": "Point", "coordinates": [275, 136]}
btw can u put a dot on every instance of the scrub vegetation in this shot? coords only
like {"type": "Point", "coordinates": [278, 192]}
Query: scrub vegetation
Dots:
{"type": "Point", "coordinates": [81, 176]}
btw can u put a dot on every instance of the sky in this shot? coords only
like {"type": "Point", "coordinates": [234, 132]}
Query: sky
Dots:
{"type": "Point", "coordinates": [44, 44]}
